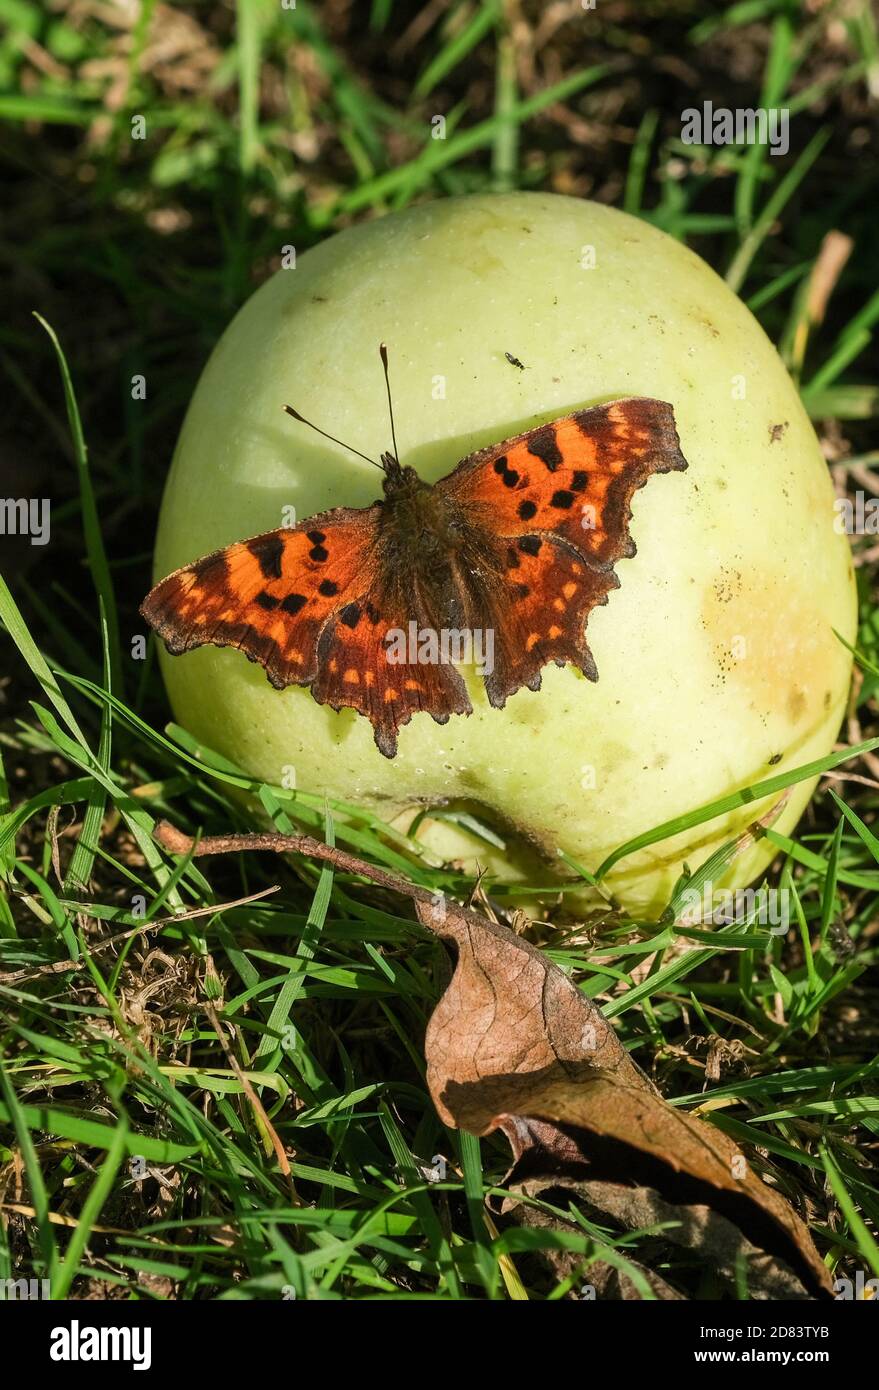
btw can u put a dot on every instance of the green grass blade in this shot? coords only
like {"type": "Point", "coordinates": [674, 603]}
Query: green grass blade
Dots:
{"type": "Point", "coordinates": [94, 542]}
{"type": "Point", "coordinates": [865, 1240]}
{"type": "Point", "coordinates": [775, 204]}
{"type": "Point", "coordinates": [756, 792]}
{"type": "Point", "coordinates": [94, 1204]}
{"type": "Point", "coordinates": [457, 48]}
{"type": "Point", "coordinates": [17, 1115]}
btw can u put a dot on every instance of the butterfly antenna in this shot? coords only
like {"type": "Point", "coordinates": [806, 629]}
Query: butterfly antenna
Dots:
{"type": "Point", "coordinates": [302, 420]}
{"type": "Point", "coordinates": [383, 352]}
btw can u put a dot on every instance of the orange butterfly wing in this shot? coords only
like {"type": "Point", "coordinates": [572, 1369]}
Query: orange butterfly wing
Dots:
{"type": "Point", "coordinates": [304, 603]}
{"type": "Point", "coordinates": [540, 521]}
{"type": "Point", "coordinates": [269, 596]}
{"type": "Point", "coordinates": [356, 670]}
{"type": "Point", "coordinates": [557, 499]}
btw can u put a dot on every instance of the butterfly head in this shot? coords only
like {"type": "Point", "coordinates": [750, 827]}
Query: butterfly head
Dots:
{"type": "Point", "coordinates": [397, 477]}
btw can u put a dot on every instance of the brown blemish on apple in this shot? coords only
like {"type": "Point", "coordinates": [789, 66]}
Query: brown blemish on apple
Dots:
{"type": "Point", "coordinates": [706, 323]}
{"type": "Point", "coordinates": [769, 644]}
{"type": "Point", "coordinates": [796, 704]}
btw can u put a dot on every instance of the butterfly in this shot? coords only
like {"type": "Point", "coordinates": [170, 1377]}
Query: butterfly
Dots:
{"type": "Point", "coordinates": [371, 607]}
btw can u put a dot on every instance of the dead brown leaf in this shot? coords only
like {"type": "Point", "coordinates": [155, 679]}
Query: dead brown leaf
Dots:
{"type": "Point", "coordinates": [514, 1046]}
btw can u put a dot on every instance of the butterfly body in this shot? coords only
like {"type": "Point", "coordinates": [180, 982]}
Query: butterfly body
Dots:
{"type": "Point", "coordinates": [418, 526]}
{"type": "Point", "coordinates": [517, 543]}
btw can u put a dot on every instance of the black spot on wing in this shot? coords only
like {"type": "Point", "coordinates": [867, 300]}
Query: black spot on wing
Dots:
{"type": "Point", "coordinates": [530, 545]}
{"type": "Point", "coordinates": [542, 445]}
{"type": "Point", "coordinates": [328, 588]}
{"type": "Point", "coordinates": [293, 603]}
{"type": "Point", "coordinates": [350, 615]}
{"type": "Point", "coordinates": [268, 551]}
{"type": "Point", "coordinates": [267, 601]}
{"type": "Point", "coordinates": [508, 476]}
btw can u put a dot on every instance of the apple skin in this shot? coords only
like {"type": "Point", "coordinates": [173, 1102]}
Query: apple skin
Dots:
{"type": "Point", "coordinates": [717, 660]}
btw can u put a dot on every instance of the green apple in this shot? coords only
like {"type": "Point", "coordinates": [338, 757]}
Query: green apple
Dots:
{"type": "Point", "coordinates": [717, 659]}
